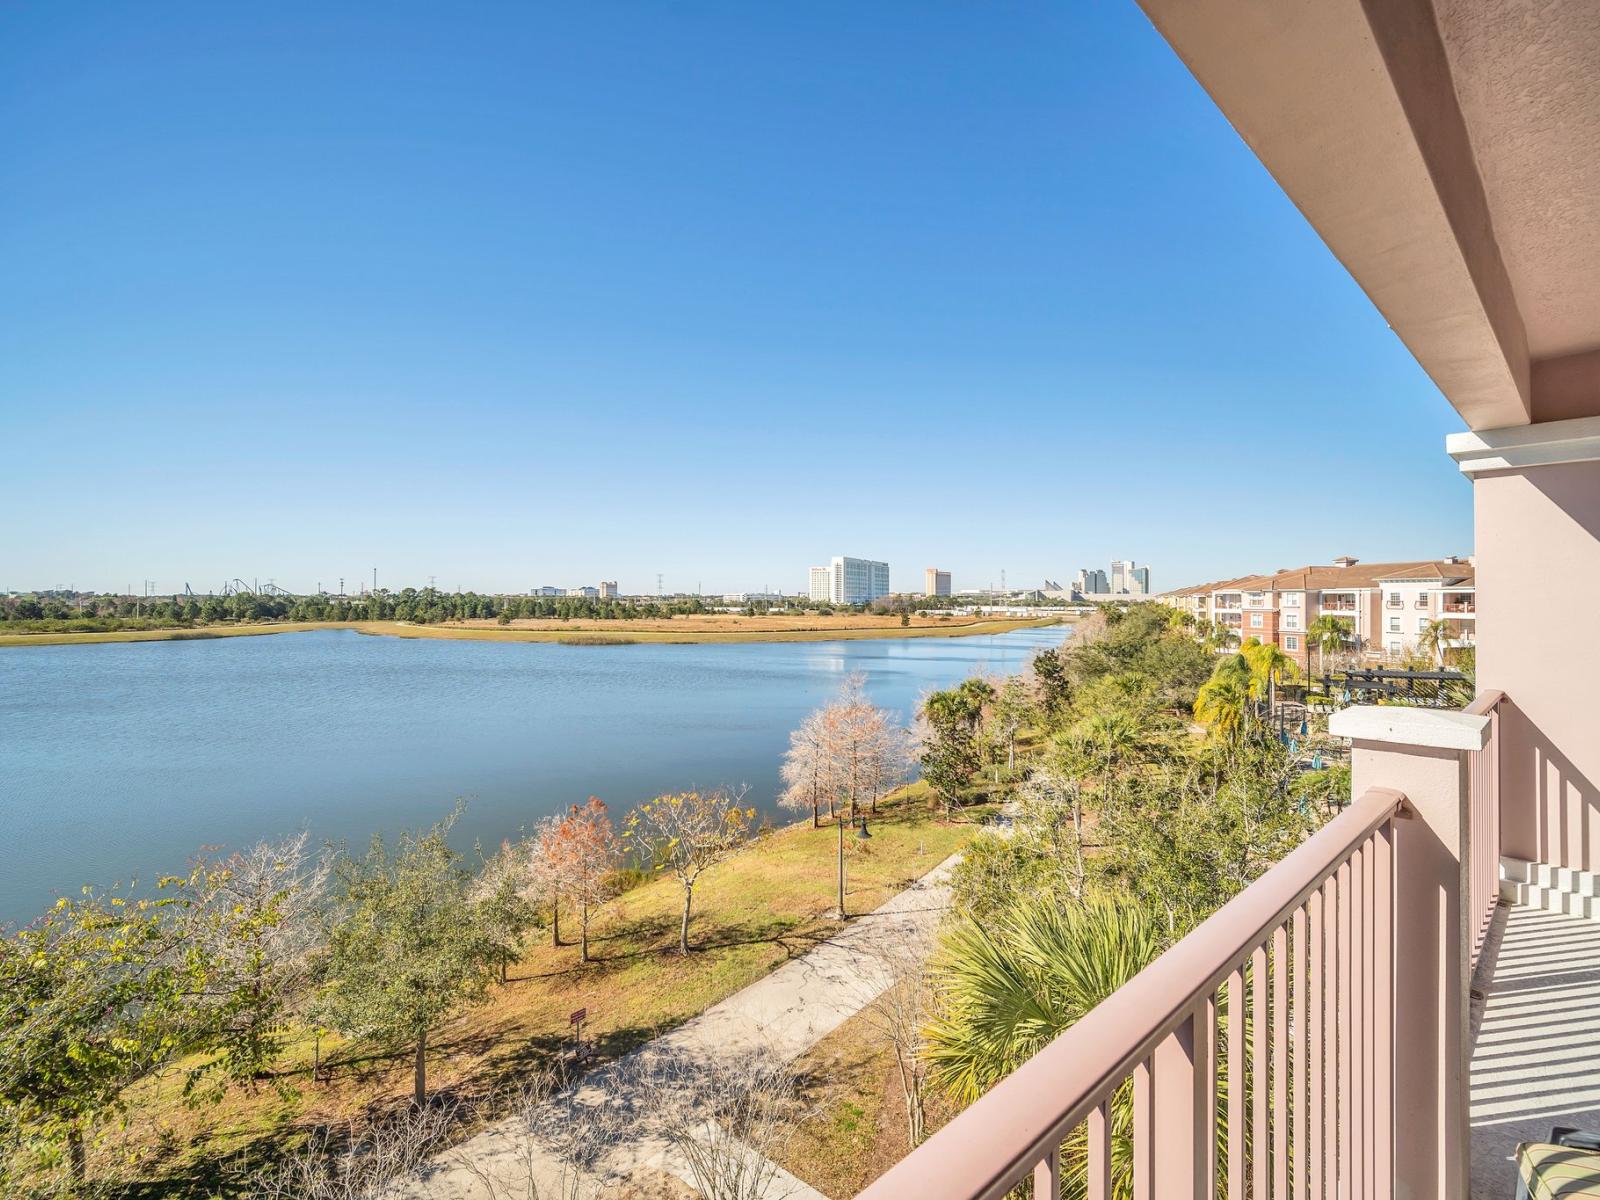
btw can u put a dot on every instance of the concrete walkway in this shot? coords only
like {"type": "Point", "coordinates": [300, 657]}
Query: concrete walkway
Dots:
{"type": "Point", "coordinates": [1536, 1060]}
{"type": "Point", "coordinates": [784, 1014]}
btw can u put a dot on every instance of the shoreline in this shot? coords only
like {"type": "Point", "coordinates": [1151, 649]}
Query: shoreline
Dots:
{"type": "Point", "coordinates": [570, 636]}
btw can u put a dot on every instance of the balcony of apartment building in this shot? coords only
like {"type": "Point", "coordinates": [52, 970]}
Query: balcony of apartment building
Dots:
{"type": "Point", "coordinates": [1230, 601]}
{"type": "Point", "coordinates": [1332, 603]}
{"type": "Point", "coordinates": [1389, 1011]}
{"type": "Point", "coordinates": [1459, 604]}
{"type": "Point", "coordinates": [1413, 992]}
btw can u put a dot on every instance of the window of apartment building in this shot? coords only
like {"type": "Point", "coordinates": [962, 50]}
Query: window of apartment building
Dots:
{"type": "Point", "coordinates": [1394, 597]}
{"type": "Point", "coordinates": [1291, 599]}
{"type": "Point", "coordinates": [1394, 624]}
{"type": "Point", "coordinates": [1422, 624]}
{"type": "Point", "coordinates": [1394, 647]}
{"type": "Point", "coordinates": [1291, 620]}
{"type": "Point", "coordinates": [1291, 643]}
{"type": "Point", "coordinates": [1255, 599]}
{"type": "Point", "coordinates": [1255, 620]}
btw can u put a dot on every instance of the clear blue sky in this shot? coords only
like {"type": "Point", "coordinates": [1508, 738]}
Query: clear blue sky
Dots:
{"type": "Point", "coordinates": [513, 294]}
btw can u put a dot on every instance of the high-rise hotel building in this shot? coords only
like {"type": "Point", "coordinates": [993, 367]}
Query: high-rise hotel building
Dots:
{"type": "Point", "coordinates": [850, 581]}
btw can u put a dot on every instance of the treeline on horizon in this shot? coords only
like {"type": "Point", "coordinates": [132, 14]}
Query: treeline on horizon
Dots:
{"type": "Point", "coordinates": [426, 606]}
{"type": "Point", "coordinates": [67, 613]}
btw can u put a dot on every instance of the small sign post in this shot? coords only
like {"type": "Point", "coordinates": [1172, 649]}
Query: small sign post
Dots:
{"type": "Point", "coordinates": [577, 1019]}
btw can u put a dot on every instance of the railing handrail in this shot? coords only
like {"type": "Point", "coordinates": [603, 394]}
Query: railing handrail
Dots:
{"type": "Point", "coordinates": [1032, 1110]}
{"type": "Point", "coordinates": [1484, 702]}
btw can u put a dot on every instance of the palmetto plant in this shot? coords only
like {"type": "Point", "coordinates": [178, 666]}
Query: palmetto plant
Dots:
{"type": "Point", "coordinates": [1008, 987]}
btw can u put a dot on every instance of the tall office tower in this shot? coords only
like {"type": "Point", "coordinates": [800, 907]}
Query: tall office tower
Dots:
{"type": "Point", "coordinates": [935, 582]}
{"type": "Point", "coordinates": [821, 588]}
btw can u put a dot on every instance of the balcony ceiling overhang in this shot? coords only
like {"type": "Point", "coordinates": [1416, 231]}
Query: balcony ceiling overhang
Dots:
{"type": "Point", "coordinates": [1448, 152]}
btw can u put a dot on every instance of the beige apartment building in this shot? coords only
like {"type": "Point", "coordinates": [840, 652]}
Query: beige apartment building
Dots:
{"type": "Point", "coordinates": [935, 582]}
{"type": "Point", "coordinates": [1388, 605]}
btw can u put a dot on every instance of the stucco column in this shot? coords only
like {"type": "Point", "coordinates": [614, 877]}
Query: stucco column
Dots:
{"type": "Point", "coordinates": [1422, 753]}
{"type": "Point", "coordinates": [1536, 500]}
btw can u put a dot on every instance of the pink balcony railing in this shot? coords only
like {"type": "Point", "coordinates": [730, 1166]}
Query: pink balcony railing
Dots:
{"type": "Point", "coordinates": [1483, 837]}
{"type": "Point", "coordinates": [1255, 1055]}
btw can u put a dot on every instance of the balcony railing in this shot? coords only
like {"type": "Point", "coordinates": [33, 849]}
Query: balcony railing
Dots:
{"type": "Point", "coordinates": [1483, 840]}
{"type": "Point", "coordinates": [1302, 1042]}
{"type": "Point", "coordinates": [1338, 606]}
{"type": "Point", "coordinates": [1460, 606]}
{"type": "Point", "coordinates": [1276, 1011]}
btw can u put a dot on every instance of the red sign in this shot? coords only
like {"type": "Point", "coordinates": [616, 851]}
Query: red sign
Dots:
{"type": "Point", "coordinates": [577, 1018]}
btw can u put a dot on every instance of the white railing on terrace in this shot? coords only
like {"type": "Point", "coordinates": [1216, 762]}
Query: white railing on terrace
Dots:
{"type": "Point", "coordinates": [1256, 1055]}
{"type": "Point", "coordinates": [1483, 839]}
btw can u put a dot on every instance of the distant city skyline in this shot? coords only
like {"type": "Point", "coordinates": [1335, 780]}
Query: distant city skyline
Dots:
{"type": "Point", "coordinates": [571, 312]}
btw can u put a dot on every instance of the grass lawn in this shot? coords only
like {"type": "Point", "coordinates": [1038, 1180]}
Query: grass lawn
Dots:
{"type": "Point", "coordinates": [766, 905]}
{"type": "Point", "coordinates": [855, 1128]}
{"type": "Point", "coordinates": [686, 630]}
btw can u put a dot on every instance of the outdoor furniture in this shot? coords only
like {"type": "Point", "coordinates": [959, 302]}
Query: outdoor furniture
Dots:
{"type": "Point", "coordinates": [1567, 1167]}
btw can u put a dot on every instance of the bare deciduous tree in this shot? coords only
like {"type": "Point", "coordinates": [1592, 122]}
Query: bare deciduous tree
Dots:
{"type": "Point", "coordinates": [556, 1144]}
{"type": "Point", "coordinates": [688, 834]}
{"type": "Point", "coordinates": [579, 851]}
{"type": "Point", "coordinates": [900, 1014]}
{"type": "Point", "coordinates": [727, 1115]}
{"type": "Point", "coordinates": [257, 924]}
{"type": "Point", "coordinates": [807, 770]}
{"type": "Point", "coordinates": [360, 1162]}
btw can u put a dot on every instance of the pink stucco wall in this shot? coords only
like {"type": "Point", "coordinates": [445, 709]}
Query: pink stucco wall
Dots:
{"type": "Point", "coordinates": [1538, 561]}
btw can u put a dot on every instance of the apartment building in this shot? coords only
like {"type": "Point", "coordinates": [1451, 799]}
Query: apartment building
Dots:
{"type": "Point", "coordinates": [935, 582]}
{"type": "Point", "coordinates": [608, 589]}
{"type": "Point", "coordinates": [1388, 605]}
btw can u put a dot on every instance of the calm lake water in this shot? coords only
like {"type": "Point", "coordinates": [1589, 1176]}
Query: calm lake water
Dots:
{"type": "Point", "coordinates": [124, 760]}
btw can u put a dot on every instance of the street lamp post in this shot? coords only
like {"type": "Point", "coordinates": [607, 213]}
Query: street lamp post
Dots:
{"type": "Point", "coordinates": [861, 836]}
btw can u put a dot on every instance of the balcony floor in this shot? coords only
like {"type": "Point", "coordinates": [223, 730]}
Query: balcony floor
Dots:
{"type": "Point", "coordinates": [1536, 1060]}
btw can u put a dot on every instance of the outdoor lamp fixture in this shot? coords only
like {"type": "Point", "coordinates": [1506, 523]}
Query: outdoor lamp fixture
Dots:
{"type": "Point", "coordinates": [861, 835]}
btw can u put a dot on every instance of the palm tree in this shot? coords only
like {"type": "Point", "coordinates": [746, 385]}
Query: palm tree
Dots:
{"type": "Point", "coordinates": [1325, 633]}
{"type": "Point", "coordinates": [1009, 986]}
{"type": "Point", "coordinates": [1112, 734]}
{"type": "Point", "coordinates": [1223, 701]}
{"type": "Point", "coordinates": [1433, 638]}
{"type": "Point", "coordinates": [1268, 664]}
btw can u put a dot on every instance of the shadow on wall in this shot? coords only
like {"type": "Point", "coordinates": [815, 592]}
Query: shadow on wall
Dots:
{"type": "Point", "coordinates": [1561, 822]}
{"type": "Point", "coordinates": [1558, 818]}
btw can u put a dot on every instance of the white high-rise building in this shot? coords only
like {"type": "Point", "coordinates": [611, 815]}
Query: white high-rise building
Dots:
{"type": "Point", "coordinates": [821, 588]}
{"type": "Point", "coordinates": [859, 580]}
{"type": "Point", "coordinates": [935, 582]}
{"type": "Point", "coordinates": [608, 589]}
{"type": "Point", "coordinates": [850, 580]}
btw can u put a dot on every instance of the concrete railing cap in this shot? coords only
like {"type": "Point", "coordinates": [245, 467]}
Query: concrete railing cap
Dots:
{"type": "Point", "coordinates": [1401, 726]}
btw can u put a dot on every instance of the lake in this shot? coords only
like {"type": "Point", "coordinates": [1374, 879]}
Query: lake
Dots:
{"type": "Point", "coordinates": [124, 760]}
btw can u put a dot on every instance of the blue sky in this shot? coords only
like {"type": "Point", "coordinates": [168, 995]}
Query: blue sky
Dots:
{"type": "Point", "coordinates": [536, 293]}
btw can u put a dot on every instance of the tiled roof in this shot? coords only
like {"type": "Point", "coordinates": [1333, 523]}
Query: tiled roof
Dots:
{"type": "Point", "coordinates": [1334, 578]}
